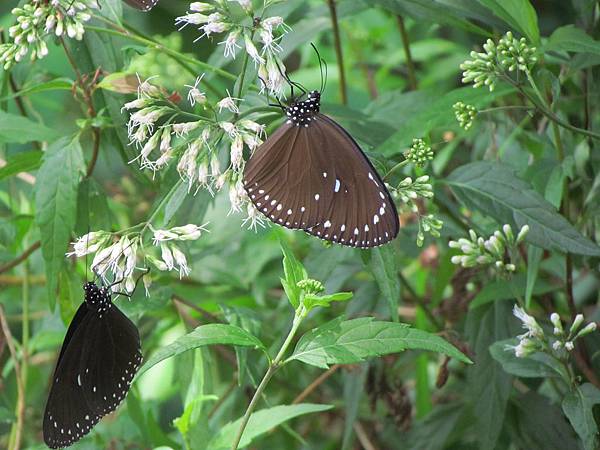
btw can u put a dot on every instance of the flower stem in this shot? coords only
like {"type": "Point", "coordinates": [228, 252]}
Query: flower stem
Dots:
{"type": "Point", "coordinates": [273, 366]}
{"type": "Point", "coordinates": [160, 206]}
{"type": "Point", "coordinates": [398, 166]}
{"type": "Point", "coordinates": [338, 50]}
{"type": "Point", "coordinates": [412, 78]}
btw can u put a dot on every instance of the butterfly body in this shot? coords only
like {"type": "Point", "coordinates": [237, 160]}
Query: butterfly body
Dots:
{"type": "Point", "coordinates": [98, 360]}
{"type": "Point", "coordinates": [311, 175]}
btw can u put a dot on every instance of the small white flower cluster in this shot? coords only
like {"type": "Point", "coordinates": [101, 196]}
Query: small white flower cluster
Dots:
{"type": "Point", "coordinates": [116, 257]}
{"type": "Point", "coordinates": [534, 339]}
{"type": "Point", "coordinates": [509, 54]}
{"type": "Point", "coordinates": [409, 190]}
{"type": "Point", "coordinates": [196, 144]}
{"type": "Point", "coordinates": [218, 17]}
{"type": "Point", "coordinates": [38, 19]}
{"type": "Point", "coordinates": [494, 250]}
{"type": "Point", "coordinates": [171, 257]}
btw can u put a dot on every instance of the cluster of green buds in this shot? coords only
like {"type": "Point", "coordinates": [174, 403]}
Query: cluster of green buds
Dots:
{"type": "Point", "coordinates": [488, 66]}
{"type": "Point", "coordinates": [465, 114]}
{"type": "Point", "coordinates": [419, 153]}
{"type": "Point", "coordinates": [499, 250]}
{"type": "Point", "coordinates": [310, 286]}
{"type": "Point", "coordinates": [428, 224]}
{"type": "Point", "coordinates": [409, 190]}
{"type": "Point", "coordinates": [38, 19]}
{"type": "Point", "coordinates": [558, 345]}
{"type": "Point", "coordinates": [515, 54]}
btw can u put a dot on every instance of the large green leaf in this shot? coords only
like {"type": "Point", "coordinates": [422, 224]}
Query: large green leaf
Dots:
{"type": "Point", "coordinates": [294, 271]}
{"type": "Point", "coordinates": [20, 130]}
{"type": "Point", "coordinates": [21, 162]}
{"type": "Point", "coordinates": [56, 204]}
{"type": "Point", "coordinates": [352, 341]}
{"type": "Point", "coordinates": [214, 333]}
{"type": "Point", "coordinates": [260, 422]}
{"type": "Point", "coordinates": [577, 406]}
{"type": "Point", "coordinates": [572, 39]}
{"type": "Point", "coordinates": [519, 14]}
{"type": "Point", "coordinates": [383, 265]}
{"type": "Point", "coordinates": [494, 189]}
{"type": "Point", "coordinates": [489, 386]}
{"type": "Point", "coordinates": [537, 365]}
{"type": "Point", "coordinates": [507, 290]}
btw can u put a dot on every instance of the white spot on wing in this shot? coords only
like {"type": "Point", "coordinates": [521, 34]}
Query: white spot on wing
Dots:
{"type": "Point", "coordinates": [337, 185]}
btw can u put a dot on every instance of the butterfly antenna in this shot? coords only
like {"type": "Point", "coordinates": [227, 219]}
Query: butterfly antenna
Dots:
{"type": "Point", "coordinates": [126, 294]}
{"type": "Point", "coordinates": [322, 67]}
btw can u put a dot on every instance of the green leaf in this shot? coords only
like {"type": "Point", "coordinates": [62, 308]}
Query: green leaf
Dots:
{"type": "Point", "coordinates": [58, 84]}
{"type": "Point", "coordinates": [385, 270]}
{"type": "Point", "coordinates": [489, 386]}
{"type": "Point", "coordinates": [294, 271]}
{"type": "Point", "coordinates": [20, 130]}
{"type": "Point", "coordinates": [214, 333]}
{"type": "Point", "coordinates": [260, 422]}
{"type": "Point", "coordinates": [310, 301]}
{"type": "Point", "coordinates": [536, 365]}
{"type": "Point", "coordinates": [21, 162]}
{"type": "Point", "coordinates": [507, 290]}
{"type": "Point", "coordinates": [495, 190]}
{"type": "Point", "coordinates": [519, 14]}
{"type": "Point", "coordinates": [572, 39]}
{"type": "Point", "coordinates": [577, 406]}
{"type": "Point", "coordinates": [56, 204]}
{"type": "Point", "coordinates": [433, 110]}
{"type": "Point", "coordinates": [352, 341]}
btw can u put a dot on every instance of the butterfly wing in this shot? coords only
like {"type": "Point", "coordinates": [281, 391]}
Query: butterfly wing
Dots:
{"type": "Point", "coordinates": [316, 178]}
{"type": "Point", "coordinates": [142, 5]}
{"type": "Point", "coordinates": [99, 358]}
{"type": "Point", "coordinates": [110, 361]}
{"type": "Point", "coordinates": [67, 416]}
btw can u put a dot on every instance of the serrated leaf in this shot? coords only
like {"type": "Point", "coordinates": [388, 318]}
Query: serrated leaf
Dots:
{"type": "Point", "coordinates": [214, 333]}
{"type": "Point", "coordinates": [20, 130]}
{"type": "Point", "coordinates": [352, 341]}
{"type": "Point", "coordinates": [519, 14]}
{"type": "Point", "coordinates": [572, 39]}
{"type": "Point", "coordinates": [577, 406]}
{"type": "Point", "coordinates": [294, 271]}
{"type": "Point", "coordinates": [495, 190]}
{"type": "Point", "coordinates": [260, 422]}
{"type": "Point", "coordinates": [21, 162]}
{"type": "Point", "coordinates": [56, 204]}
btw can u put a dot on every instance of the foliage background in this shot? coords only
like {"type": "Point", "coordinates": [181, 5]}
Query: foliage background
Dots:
{"type": "Point", "coordinates": [388, 403]}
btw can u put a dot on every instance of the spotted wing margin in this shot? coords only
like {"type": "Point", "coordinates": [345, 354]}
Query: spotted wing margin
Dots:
{"type": "Point", "coordinates": [316, 178]}
{"type": "Point", "coordinates": [110, 361]}
{"type": "Point", "coordinates": [142, 5]}
{"type": "Point", "coordinates": [67, 416]}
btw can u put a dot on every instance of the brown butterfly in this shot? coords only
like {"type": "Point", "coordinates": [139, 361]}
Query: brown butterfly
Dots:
{"type": "Point", "coordinates": [142, 5]}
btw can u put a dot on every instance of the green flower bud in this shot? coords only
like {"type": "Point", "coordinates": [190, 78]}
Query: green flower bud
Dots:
{"type": "Point", "coordinates": [311, 286]}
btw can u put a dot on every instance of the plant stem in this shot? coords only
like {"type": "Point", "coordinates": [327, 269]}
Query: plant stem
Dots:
{"type": "Point", "coordinates": [338, 50]}
{"type": "Point", "coordinates": [160, 206]}
{"type": "Point", "coordinates": [398, 166]}
{"type": "Point", "coordinates": [412, 78]}
{"type": "Point", "coordinates": [419, 301]}
{"type": "Point", "coordinates": [15, 262]}
{"type": "Point", "coordinates": [273, 366]}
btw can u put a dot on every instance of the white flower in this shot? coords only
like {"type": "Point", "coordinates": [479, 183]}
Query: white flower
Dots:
{"type": "Point", "coordinates": [529, 323]}
{"type": "Point", "coordinates": [138, 103]}
{"type": "Point", "coordinates": [255, 217]}
{"type": "Point", "coordinates": [183, 129]}
{"type": "Point", "coordinates": [229, 128]}
{"type": "Point", "coordinates": [524, 348]}
{"type": "Point", "coordinates": [229, 103]}
{"type": "Point", "coordinates": [145, 89]}
{"type": "Point", "coordinates": [252, 126]}
{"type": "Point", "coordinates": [231, 44]}
{"type": "Point", "coordinates": [189, 232]}
{"type": "Point", "coordinates": [275, 81]}
{"type": "Point", "coordinates": [569, 346]}
{"type": "Point", "coordinates": [167, 256]}
{"type": "Point", "coordinates": [147, 280]}
{"type": "Point", "coordinates": [237, 152]}
{"type": "Point", "coordinates": [181, 261]}
{"type": "Point", "coordinates": [162, 236]}
{"type": "Point", "coordinates": [195, 95]}
{"type": "Point", "coordinates": [201, 7]}
{"type": "Point", "coordinates": [89, 243]}
{"type": "Point", "coordinates": [252, 51]}
{"type": "Point", "coordinates": [246, 4]}
{"type": "Point", "coordinates": [237, 197]}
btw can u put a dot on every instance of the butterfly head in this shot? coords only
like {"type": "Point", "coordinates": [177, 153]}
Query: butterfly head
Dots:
{"type": "Point", "coordinates": [97, 298]}
{"type": "Point", "coordinates": [300, 113]}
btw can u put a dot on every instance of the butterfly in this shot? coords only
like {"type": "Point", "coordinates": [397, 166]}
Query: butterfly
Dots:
{"type": "Point", "coordinates": [142, 5]}
{"type": "Point", "coordinates": [312, 175]}
{"type": "Point", "coordinates": [99, 357]}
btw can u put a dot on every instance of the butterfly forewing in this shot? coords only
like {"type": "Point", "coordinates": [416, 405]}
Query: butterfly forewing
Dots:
{"type": "Point", "coordinates": [99, 358]}
{"type": "Point", "coordinates": [142, 5]}
{"type": "Point", "coordinates": [315, 177]}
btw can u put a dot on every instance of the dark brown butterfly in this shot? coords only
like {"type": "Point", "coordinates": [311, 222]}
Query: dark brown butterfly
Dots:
{"type": "Point", "coordinates": [311, 175]}
{"type": "Point", "coordinates": [142, 5]}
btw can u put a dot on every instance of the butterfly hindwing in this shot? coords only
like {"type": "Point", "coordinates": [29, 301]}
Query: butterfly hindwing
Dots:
{"type": "Point", "coordinates": [98, 360]}
{"type": "Point", "coordinates": [312, 175]}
